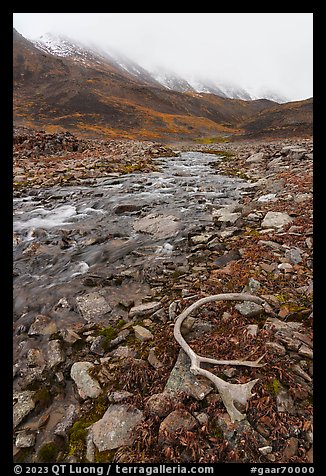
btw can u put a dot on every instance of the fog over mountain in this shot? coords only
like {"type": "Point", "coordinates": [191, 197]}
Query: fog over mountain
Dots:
{"type": "Point", "coordinates": [258, 54]}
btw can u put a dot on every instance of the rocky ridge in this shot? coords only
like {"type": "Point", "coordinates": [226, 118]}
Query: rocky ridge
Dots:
{"type": "Point", "coordinates": [132, 376]}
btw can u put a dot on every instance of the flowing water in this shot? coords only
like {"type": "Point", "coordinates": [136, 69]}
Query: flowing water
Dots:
{"type": "Point", "coordinates": [115, 228]}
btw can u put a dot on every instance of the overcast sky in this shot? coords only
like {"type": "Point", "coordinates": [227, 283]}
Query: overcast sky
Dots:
{"type": "Point", "coordinates": [258, 51]}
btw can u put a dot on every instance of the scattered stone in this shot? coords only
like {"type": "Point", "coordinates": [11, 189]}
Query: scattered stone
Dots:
{"type": "Point", "coordinates": [176, 420]}
{"type": "Point", "coordinates": [223, 260]}
{"type": "Point", "coordinates": [256, 158]}
{"type": "Point", "coordinates": [230, 372]}
{"type": "Point", "coordinates": [97, 346]}
{"type": "Point", "coordinates": [25, 439]}
{"type": "Point", "coordinates": [249, 309]}
{"type": "Point", "coordinates": [265, 450]}
{"type": "Point", "coordinates": [142, 333]}
{"type": "Point", "coordinates": [252, 330]}
{"type": "Point", "coordinates": [161, 404]}
{"type": "Point", "coordinates": [117, 397]}
{"type": "Point", "coordinates": [305, 351]}
{"type": "Point", "coordinates": [23, 404]}
{"type": "Point", "coordinates": [55, 353]}
{"type": "Point", "coordinates": [267, 198]}
{"type": "Point", "coordinates": [87, 386]}
{"type": "Point", "coordinates": [291, 448]}
{"type": "Point", "coordinates": [286, 267]}
{"type": "Point", "coordinates": [253, 286]}
{"type": "Point", "coordinates": [120, 338]}
{"type": "Point", "coordinates": [145, 309]}
{"type": "Point", "coordinates": [228, 218]}
{"type": "Point", "coordinates": [202, 418]}
{"type": "Point", "coordinates": [285, 402]}
{"type": "Point", "coordinates": [201, 239]}
{"type": "Point", "coordinates": [93, 307]}
{"type": "Point", "coordinates": [42, 325]}
{"type": "Point", "coordinates": [69, 336]}
{"type": "Point", "coordinates": [182, 380]}
{"type": "Point", "coordinates": [116, 428]}
{"type": "Point", "coordinates": [153, 360]}
{"type": "Point", "coordinates": [123, 352]}
{"type": "Point", "coordinates": [63, 426]}
{"type": "Point", "coordinates": [127, 208]}
{"type": "Point", "coordinates": [275, 348]}
{"type": "Point", "coordinates": [276, 220]}
{"type": "Point", "coordinates": [161, 226]}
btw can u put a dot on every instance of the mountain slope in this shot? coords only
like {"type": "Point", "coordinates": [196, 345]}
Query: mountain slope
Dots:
{"type": "Point", "coordinates": [66, 86]}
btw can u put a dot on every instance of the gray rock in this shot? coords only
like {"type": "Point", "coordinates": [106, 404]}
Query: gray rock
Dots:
{"type": "Point", "coordinates": [161, 404]}
{"type": "Point", "coordinates": [123, 352]}
{"type": "Point", "coordinates": [142, 333]}
{"type": "Point", "coordinates": [252, 330]}
{"type": "Point", "coordinates": [284, 402]}
{"type": "Point", "coordinates": [116, 428]}
{"type": "Point", "coordinates": [42, 325]}
{"type": "Point", "coordinates": [249, 309]}
{"type": "Point", "coordinates": [160, 226]}
{"type": "Point", "coordinates": [182, 380]}
{"type": "Point", "coordinates": [255, 158]}
{"type": "Point", "coordinates": [294, 255]}
{"type": "Point", "coordinates": [87, 386]}
{"type": "Point", "coordinates": [267, 198]}
{"type": "Point", "coordinates": [305, 351]}
{"type": "Point", "coordinates": [296, 153]}
{"type": "Point", "coordinates": [97, 346]}
{"type": "Point", "coordinates": [93, 307]}
{"type": "Point", "coordinates": [228, 218]}
{"type": "Point", "coordinates": [145, 309]}
{"type": "Point", "coordinates": [55, 353]}
{"type": "Point", "coordinates": [153, 360]}
{"type": "Point", "coordinates": [25, 439]}
{"type": "Point", "coordinates": [276, 220]}
{"type": "Point", "coordinates": [117, 397]}
{"type": "Point", "coordinates": [120, 338]}
{"type": "Point", "coordinates": [253, 286]}
{"type": "Point", "coordinates": [275, 348]}
{"type": "Point", "coordinates": [23, 405]}
{"type": "Point", "coordinates": [63, 426]}
{"type": "Point", "coordinates": [176, 420]}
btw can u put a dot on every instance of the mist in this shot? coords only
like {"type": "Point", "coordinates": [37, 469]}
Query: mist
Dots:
{"type": "Point", "coordinates": [256, 51]}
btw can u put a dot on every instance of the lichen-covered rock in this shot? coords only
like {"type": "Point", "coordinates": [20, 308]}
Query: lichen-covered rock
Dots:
{"type": "Point", "coordinates": [116, 428]}
{"type": "Point", "coordinates": [87, 386]}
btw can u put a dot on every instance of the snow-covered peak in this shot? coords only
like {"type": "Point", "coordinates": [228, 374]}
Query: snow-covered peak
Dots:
{"type": "Point", "coordinates": [59, 45]}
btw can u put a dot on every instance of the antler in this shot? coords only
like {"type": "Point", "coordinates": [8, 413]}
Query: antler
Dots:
{"type": "Point", "coordinates": [229, 392]}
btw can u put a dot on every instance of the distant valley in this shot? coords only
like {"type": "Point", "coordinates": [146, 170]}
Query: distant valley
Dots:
{"type": "Point", "coordinates": [60, 85]}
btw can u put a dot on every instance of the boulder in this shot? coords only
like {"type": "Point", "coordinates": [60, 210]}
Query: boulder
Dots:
{"type": "Point", "coordinates": [87, 386]}
{"type": "Point", "coordinates": [276, 220]}
{"type": "Point", "coordinates": [182, 380]}
{"type": "Point", "coordinates": [116, 428]}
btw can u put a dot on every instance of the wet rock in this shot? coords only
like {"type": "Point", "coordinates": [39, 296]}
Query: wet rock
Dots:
{"type": "Point", "coordinates": [93, 307]}
{"type": "Point", "coordinates": [63, 426]}
{"type": "Point", "coordinates": [127, 208]}
{"type": "Point", "coordinates": [145, 309]}
{"type": "Point", "coordinates": [249, 309]}
{"type": "Point", "coordinates": [116, 428]}
{"type": "Point", "coordinates": [87, 386]}
{"type": "Point", "coordinates": [25, 439]}
{"type": "Point", "coordinates": [42, 325]}
{"type": "Point", "coordinates": [55, 353]}
{"type": "Point", "coordinates": [276, 220]}
{"type": "Point", "coordinates": [176, 420]}
{"type": "Point", "coordinates": [161, 226]}
{"type": "Point", "coordinates": [142, 333]}
{"type": "Point", "coordinates": [182, 380]}
{"type": "Point", "coordinates": [23, 404]}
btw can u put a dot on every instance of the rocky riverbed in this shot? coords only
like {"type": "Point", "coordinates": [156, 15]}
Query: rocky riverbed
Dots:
{"type": "Point", "coordinates": [103, 267]}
